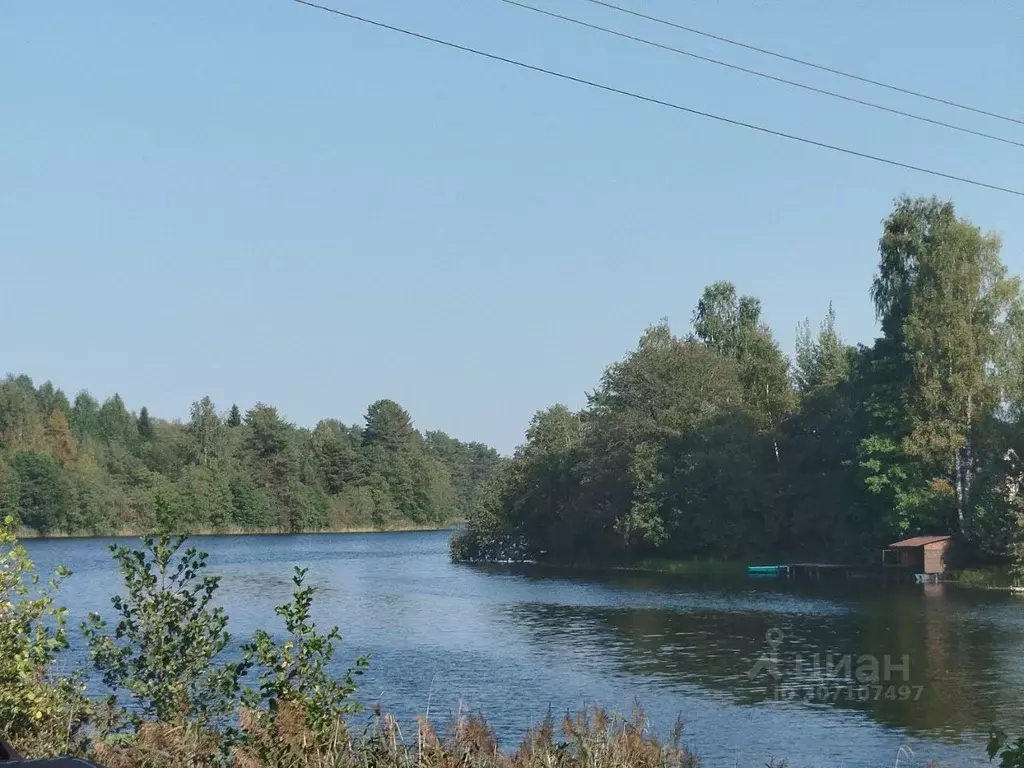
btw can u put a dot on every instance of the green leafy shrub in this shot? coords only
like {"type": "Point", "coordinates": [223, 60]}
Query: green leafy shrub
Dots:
{"type": "Point", "coordinates": [163, 650]}
{"type": "Point", "coordinates": [38, 712]}
{"type": "Point", "coordinates": [297, 705]}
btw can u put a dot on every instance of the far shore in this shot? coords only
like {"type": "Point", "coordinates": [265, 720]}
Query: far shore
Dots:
{"type": "Point", "coordinates": [986, 577]}
{"type": "Point", "coordinates": [133, 534]}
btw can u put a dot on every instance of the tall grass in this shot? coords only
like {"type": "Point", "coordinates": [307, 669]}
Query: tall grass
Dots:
{"type": "Point", "coordinates": [592, 738]}
{"type": "Point", "coordinates": [990, 577]}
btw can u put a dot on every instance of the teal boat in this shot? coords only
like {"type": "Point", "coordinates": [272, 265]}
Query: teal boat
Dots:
{"type": "Point", "coordinates": [765, 570]}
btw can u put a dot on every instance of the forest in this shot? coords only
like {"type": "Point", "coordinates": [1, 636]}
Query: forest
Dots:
{"type": "Point", "coordinates": [90, 468]}
{"type": "Point", "coordinates": [717, 444]}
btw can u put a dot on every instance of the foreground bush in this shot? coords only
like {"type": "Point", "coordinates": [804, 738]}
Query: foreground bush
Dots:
{"type": "Point", "coordinates": [163, 654]}
{"type": "Point", "coordinates": [45, 713]}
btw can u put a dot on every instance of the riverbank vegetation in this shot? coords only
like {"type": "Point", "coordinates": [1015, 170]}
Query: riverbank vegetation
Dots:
{"type": "Point", "coordinates": [715, 443]}
{"type": "Point", "coordinates": [89, 468]}
{"type": "Point", "coordinates": [174, 699]}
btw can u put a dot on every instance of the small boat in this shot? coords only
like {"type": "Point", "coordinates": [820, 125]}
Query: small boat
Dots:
{"type": "Point", "coordinates": [762, 571]}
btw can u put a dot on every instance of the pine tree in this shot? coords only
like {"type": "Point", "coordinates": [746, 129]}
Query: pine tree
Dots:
{"type": "Point", "coordinates": [234, 417]}
{"type": "Point", "coordinates": [144, 425]}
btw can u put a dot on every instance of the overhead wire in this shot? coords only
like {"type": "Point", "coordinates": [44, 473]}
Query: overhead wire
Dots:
{"type": "Point", "coordinates": [805, 62]}
{"type": "Point", "coordinates": [652, 100]}
{"type": "Point", "coordinates": [758, 73]}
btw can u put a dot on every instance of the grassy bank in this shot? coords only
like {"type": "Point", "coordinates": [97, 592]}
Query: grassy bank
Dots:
{"type": "Point", "coordinates": [130, 533]}
{"type": "Point", "coordinates": [986, 577]}
{"type": "Point", "coordinates": [689, 567]}
{"type": "Point", "coordinates": [680, 567]}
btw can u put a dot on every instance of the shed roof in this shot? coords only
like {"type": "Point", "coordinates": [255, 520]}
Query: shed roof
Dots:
{"type": "Point", "coordinates": [920, 541]}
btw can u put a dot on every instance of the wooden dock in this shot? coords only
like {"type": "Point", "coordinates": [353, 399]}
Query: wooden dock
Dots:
{"type": "Point", "coordinates": [817, 571]}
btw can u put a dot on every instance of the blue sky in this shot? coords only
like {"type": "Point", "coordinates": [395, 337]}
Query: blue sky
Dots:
{"type": "Point", "coordinates": [259, 201]}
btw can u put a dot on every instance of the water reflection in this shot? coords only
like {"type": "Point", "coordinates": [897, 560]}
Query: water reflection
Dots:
{"type": "Point", "coordinates": [939, 660]}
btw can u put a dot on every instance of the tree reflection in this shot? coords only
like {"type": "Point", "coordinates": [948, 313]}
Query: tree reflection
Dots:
{"type": "Point", "coordinates": [946, 661]}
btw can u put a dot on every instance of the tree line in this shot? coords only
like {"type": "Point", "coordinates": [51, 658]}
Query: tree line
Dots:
{"type": "Point", "coordinates": [717, 443]}
{"type": "Point", "coordinates": [91, 468]}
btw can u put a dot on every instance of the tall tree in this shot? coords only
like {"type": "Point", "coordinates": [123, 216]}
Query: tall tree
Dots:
{"type": "Point", "coordinates": [269, 434]}
{"type": "Point", "coordinates": [234, 417]}
{"type": "Point", "coordinates": [115, 424]}
{"type": "Point", "coordinates": [205, 431]}
{"type": "Point", "coordinates": [821, 362]}
{"type": "Point", "coordinates": [44, 497]}
{"type": "Point", "coordinates": [143, 424]}
{"type": "Point", "coordinates": [722, 318]}
{"type": "Point", "coordinates": [335, 454]}
{"type": "Point", "coordinates": [61, 442]}
{"type": "Point", "coordinates": [52, 399]}
{"type": "Point", "coordinates": [21, 423]}
{"type": "Point", "coordinates": [9, 493]}
{"type": "Point", "coordinates": [85, 416]}
{"type": "Point", "coordinates": [764, 372]}
{"type": "Point", "coordinates": [389, 425]}
{"type": "Point", "coordinates": [944, 296]}
{"type": "Point", "coordinates": [731, 326]}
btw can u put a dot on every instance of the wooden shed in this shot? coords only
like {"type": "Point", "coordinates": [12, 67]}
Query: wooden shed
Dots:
{"type": "Point", "coordinates": [922, 554]}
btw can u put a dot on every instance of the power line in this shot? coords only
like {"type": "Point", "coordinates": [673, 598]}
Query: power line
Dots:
{"type": "Point", "coordinates": [804, 62]}
{"type": "Point", "coordinates": [659, 102]}
{"type": "Point", "coordinates": [758, 73]}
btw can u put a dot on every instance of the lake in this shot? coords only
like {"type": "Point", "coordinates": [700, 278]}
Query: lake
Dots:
{"type": "Point", "coordinates": [745, 663]}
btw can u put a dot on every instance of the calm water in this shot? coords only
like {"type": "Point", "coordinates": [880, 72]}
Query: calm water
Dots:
{"type": "Point", "coordinates": [511, 642]}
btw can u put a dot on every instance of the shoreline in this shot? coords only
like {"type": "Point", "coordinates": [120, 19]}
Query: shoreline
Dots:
{"type": "Point", "coordinates": [134, 534]}
{"type": "Point", "coordinates": [984, 578]}
{"type": "Point", "coordinates": [692, 567]}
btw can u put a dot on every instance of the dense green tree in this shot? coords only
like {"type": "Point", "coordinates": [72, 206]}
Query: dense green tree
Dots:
{"type": "Point", "coordinates": [108, 471]}
{"type": "Point", "coordinates": [716, 445]}
{"type": "Point", "coordinates": [207, 501]}
{"type": "Point", "coordinates": [732, 327]}
{"type": "Point", "coordinates": [250, 506]}
{"type": "Point", "coordinates": [666, 386]}
{"type": "Point", "coordinates": [389, 426]}
{"type": "Point", "coordinates": [21, 422]}
{"type": "Point", "coordinates": [234, 418]}
{"type": "Point", "coordinates": [269, 435]}
{"type": "Point", "coordinates": [821, 362]}
{"type": "Point", "coordinates": [144, 425]}
{"type": "Point", "coordinates": [156, 503]}
{"type": "Point", "coordinates": [51, 399]}
{"type": "Point", "coordinates": [764, 373]}
{"type": "Point", "coordinates": [44, 496]}
{"type": "Point", "coordinates": [470, 466]}
{"type": "Point", "coordinates": [10, 503]}
{"type": "Point", "coordinates": [115, 424]}
{"type": "Point", "coordinates": [944, 297]}
{"type": "Point", "coordinates": [335, 453]}
{"type": "Point", "coordinates": [205, 432]}
{"type": "Point", "coordinates": [722, 319]}
{"type": "Point", "coordinates": [85, 416]}
{"type": "Point", "coordinates": [404, 481]}
{"type": "Point", "coordinates": [59, 440]}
